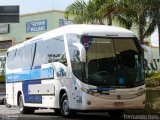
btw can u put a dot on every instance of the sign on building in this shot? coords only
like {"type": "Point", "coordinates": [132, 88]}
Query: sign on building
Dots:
{"type": "Point", "coordinates": [4, 28]}
{"type": "Point", "coordinates": [36, 26]}
{"type": "Point", "coordinates": [63, 22]}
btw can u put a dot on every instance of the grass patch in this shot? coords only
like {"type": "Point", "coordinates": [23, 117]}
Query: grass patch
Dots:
{"type": "Point", "coordinates": [2, 79]}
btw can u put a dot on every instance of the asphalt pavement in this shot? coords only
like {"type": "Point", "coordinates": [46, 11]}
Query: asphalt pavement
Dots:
{"type": "Point", "coordinates": [48, 114]}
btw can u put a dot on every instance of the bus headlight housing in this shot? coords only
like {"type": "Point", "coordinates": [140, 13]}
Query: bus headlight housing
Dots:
{"type": "Point", "coordinates": [140, 92]}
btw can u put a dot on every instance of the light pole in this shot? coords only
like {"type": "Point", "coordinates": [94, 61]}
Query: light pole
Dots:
{"type": "Point", "coordinates": [53, 4]}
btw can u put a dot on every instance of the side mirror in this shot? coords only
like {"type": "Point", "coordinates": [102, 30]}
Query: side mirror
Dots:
{"type": "Point", "coordinates": [82, 51]}
{"type": "Point", "coordinates": [149, 52]}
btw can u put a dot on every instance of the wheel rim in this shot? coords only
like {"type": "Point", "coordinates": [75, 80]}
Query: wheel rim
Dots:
{"type": "Point", "coordinates": [20, 104]}
{"type": "Point", "coordinates": [65, 107]}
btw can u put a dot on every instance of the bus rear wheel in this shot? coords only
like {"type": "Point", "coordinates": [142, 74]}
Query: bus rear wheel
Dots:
{"type": "Point", "coordinates": [22, 108]}
{"type": "Point", "coordinates": [3, 101]}
{"type": "Point", "coordinates": [64, 107]}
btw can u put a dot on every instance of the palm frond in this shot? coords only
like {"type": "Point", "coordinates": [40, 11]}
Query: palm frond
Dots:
{"type": "Point", "coordinates": [124, 22]}
{"type": "Point", "coordinates": [77, 8]}
{"type": "Point", "coordinates": [150, 29]}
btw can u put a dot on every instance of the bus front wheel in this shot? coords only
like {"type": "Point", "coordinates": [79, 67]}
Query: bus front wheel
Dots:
{"type": "Point", "coordinates": [116, 113]}
{"type": "Point", "coordinates": [22, 108]}
{"type": "Point", "coordinates": [64, 106]}
{"type": "Point", "coordinates": [57, 111]}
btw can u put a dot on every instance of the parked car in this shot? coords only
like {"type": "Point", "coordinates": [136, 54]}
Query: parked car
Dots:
{"type": "Point", "coordinates": [2, 94]}
{"type": "Point", "coordinates": [2, 99]}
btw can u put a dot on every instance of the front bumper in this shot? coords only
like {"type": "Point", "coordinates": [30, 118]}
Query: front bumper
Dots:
{"type": "Point", "coordinates": [90, 102]}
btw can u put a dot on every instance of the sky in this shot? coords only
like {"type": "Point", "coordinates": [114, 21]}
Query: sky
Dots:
{"type": "Point", "coordinates": [30, 6]}
{"type": "Point", "coordinates": [154, 38]}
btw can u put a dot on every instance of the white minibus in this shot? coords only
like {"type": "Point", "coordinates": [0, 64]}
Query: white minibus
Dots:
{"type": "Point", "coordinates": [77, 68]}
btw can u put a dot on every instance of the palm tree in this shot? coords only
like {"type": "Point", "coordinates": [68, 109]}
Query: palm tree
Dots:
{"type": "Point", "coordinates": [135, 13]}
{"type": "Point", "coordinates": [78, 10]}
{"type": "Point", "coordinates": [138, 13]}
{"type": "Point", "coordinates": [104, 10]}
{"type": "Point", "coordinates": [126, 12]}
{"type": "Point", "coordinates": [84, 12]}
{"type": "Point", "coordinates": [95, 11]}
{"type": "Point", "coordinates": [154, 16]}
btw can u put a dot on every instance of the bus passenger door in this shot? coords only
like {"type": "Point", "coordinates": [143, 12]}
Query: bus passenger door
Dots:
{"type": "Point", "coordinates": [10, 77]}
{"type": "Point", "coordinates": [77, 74]}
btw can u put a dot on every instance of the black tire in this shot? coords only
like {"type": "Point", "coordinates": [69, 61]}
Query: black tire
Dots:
{"type": "Point", "coordinates": [64, 107]}
{"type": "Point", "coordinates": [57, 111]}
{"type": "Point", "coordinates": [3, 101]}
{"type": "Point", "coordinates": [8, 106]}
{"type": "Point", "coordinates": [22, 108]}
{"type": "Point", "coordinates": [116, 113]}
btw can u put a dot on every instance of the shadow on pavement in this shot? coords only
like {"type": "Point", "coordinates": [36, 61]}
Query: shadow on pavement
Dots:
{"type": "Point", "coordinates": [79, 116]}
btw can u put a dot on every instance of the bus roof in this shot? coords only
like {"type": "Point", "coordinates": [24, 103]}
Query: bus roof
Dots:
{"type": "Point", "coordinates": [81, 29]}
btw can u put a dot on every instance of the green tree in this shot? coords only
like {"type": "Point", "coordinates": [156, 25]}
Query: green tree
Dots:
{"type": "Point", "coordinates": [137, 12]}
{"type": "Point", "coordinates": [127, 13]}
{"type": "Point", "coordinates": [78, 10]}
{"type": "Point", "coordinates": [154, 16]}
{"type": "Point", "coordinates": [95, 11]}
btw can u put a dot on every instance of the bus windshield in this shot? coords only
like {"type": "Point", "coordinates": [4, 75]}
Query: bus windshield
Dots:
{"type": "Point", "coordinates": [113, 62]}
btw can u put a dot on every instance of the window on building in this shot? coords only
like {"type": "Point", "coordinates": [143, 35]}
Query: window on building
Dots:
{"type": "Point", "coordinates": [147, 43]}
{"type": "Point", "coordinates": [5, 44]}
{"type": "Point", "coordinates": [27, 38]}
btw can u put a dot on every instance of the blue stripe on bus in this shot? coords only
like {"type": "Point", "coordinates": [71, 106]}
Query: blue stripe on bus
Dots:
{"type": "Point", "coordinates": [34, 74]}
{"type": "Point", "coordinates": [30, 98]}
{"type": "Point", "coordinates": [102, 89]}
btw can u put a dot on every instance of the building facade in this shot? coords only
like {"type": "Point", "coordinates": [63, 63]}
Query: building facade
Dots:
{"type": "Point", "coordinates": [33, 24]}
{"type": "Point", "coordinates": [30, 25]}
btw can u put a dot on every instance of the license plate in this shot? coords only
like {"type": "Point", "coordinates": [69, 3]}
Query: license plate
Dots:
{"type": "Point", "coordinates": [118, 104]}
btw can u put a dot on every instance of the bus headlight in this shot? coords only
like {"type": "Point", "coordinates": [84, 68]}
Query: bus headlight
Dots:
{"type": "Point", "coordinates": [140, 92]}
{"type": "Point", "coordinates": [93, 93]}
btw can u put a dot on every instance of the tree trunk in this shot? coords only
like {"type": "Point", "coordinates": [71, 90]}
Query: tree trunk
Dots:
{"type": "Point", "coordinates": [109, 19]}
{"type": "Point", "coordinates": [101, 21]}
{"type": "Point", "coordinates": [141, 29]}
{"type": "Point", "coordinates": [108, 15]}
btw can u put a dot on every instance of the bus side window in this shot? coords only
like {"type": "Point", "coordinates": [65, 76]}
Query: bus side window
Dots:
{"type": "Point", "coordinates": [27, 57]}
{"type": "Point", "coordinates": [40, 55]}
{"type": "Point", "coordinates": [11, 59]}
{"type": "Point", "coordinates": [49, 51]}
{"type": "Point", "coordinates": [76, 57]}
{"type": "Point", "coordinates": [56, 50]}
{"type": "Point", "coordinates": [63, 59]}
{"type": "Point", "coordinates": [18, 58]}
